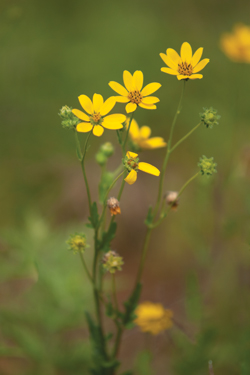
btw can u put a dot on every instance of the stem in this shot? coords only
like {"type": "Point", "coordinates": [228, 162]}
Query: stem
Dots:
{"type": "Point", "coordinates": [143, 255]}
{"type": "Point", "coordinates": [86, 268]}
{"type": "Point", "coordinates": [117, 341]}
{"type": "Point", "coordinates": [126, 137]}
{"type": "Point", "coordinates": [114, 291]}
{"type": "Point", "coordinates": [186, 136]}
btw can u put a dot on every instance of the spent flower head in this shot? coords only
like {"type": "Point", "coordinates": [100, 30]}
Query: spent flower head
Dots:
{"type": "Point", "coordinates": [69, 120]}
{"type": "Point", "coordinates": [114, 206]}
{"type": "Point", "coordinates": [140, 137]}
{"type": "Point", "coordinates": [112, 262]}
{"type": "Point", "coordinates": [153, 318]}
{"type": "Point", "coordinates": [77, 243]}
{"type": "Point", "coordinates": [132, 165]}
{"type": "Point", "coordinates": [236, 45]}
{"type": "Point", "coordinates": [186, 65]}
{"type": "Point", "coordinates": [172, 199]}
{"type": "Point", "coordinates": [209, 117]}
{"type": "Point", "coordinates": [207, 166]}
{"type": "Point", "coordinates": [133, 94]}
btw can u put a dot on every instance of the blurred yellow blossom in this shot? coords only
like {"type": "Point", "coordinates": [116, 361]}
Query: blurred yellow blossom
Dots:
{"type": "Point", "coordinates": [140, 137]}
{"type": "Point", "coordinates": [96, 118]}
{"type": "Point", "coordinates": [186, 65]}
{"type": "Point", "coordinates": [237, 44]}
{"type": "Point", "coordinates": [133, 94]}
{"type": "Point", "coordinates": [132, 164]}
{"type": "Point", "coordinates": [153, 318]}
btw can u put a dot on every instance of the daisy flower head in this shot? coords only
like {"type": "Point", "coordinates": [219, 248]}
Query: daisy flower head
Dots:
{"type": "Point", "coordinates": [236, 45]}
{"type": "Point", "coordinates": [133, 94]}
{"type": "Point", "coordinates": [185, 66]}
{"type": "Point", "coordinates": [96, 118]}
{"type": "Point", "coordinates": [132, 165]}
{"type": "Point", "coordinates": [140, 137]}
{"type": "Point", "coordinates": [153, 318]}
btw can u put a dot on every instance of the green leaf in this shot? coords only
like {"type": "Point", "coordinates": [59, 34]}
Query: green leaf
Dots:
{"type": "Point", "coordinates": [79, 154]}
{"type": "Point", "coordinates": [107, 237]}
{"type": "Point", "coordinates": [149, 219]}
{"type": "Point", "coordinates": [94, 218]}
{"type": "Point", "coordinates": [130, 306]}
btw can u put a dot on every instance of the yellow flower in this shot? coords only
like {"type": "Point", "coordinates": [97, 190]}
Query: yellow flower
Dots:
{"type": "Point", "coordinates": [185, 66]}
{"type": "Point", "coordinates": [237, 45]}
{"type": "Point", "coordinates": [140, 137]}
{"type": "Point", "coordinates": [131, 163]}
{"type": "Point", "coordinates": [96, 118]}
{"type": "Point", "coordinates": [153, 318]}
{"type": "Point", "coordinates": [133, 94]}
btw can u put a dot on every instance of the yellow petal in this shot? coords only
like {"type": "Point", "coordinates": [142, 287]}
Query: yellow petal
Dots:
{"type": "Point", "coordinates": [107, 106]}
{"type": "Point", "coordinates": [80, 115]}
{"type": "Point", "coordinates": [84, 127]}
{"type": "Point", "coordinates": [86, 103]}
{"type": "Point", "coordinates": [155, 142]}
{"type": "Point", "coordinates": [150, 88]}
{"type": "Point", "coordinates": [170, 71]}
{"type": "Point", "coordinates": [196, 57]}
{"type": "Point", "coordinates": [150, 100]}
{"type": "Point", "coordinates": [196, 76]}
{"type": "Point", "coordinates": [97, 102]}
{"type": "Point", "coordinates": [168, 61]}
{"type": "Point", "coordinates": [186, 52]}
{"type": "Point", "coordinates": [121, 99]}
{"type": "Point", "coordinates": [147, 106]}
{"type": "Point", "coordinates": [131, 154]}
{"type": "Point", "coordinates": [131, 177]}
{"type": "Point", "coordinates": [201, 65]}
{"type": "Point", "coordinates": [148, 168]}
{"type": "Point", "coordinates": [111, 125]}
{"type": "Point", "coordinates": [115, 117]}
{"type": "Point", "coordinates": [174, 56]}
{"type": "Point", "coordinates": [180, 76]}
{"type": "Point", "coordinates": [128, 80]}
{"type": "Point", "coordinates": [98, 130]}
{"type": "Point", "coordinates": [138, 80]}
{"type": "Point", "coordinates": [131, 107]}
{"type": "Point", "coordinates": [118, 88]}
{"type": "Point", "coordinates": [145, 132]}
{"type": "Point", "coordinates": [134, 129]}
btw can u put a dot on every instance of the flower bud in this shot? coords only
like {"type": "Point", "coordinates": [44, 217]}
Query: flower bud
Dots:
{"type": "Point", "coordinates": [209, 117]}
{"type": "Point", "coordinates": [112, 262]}
{"type": "Point", "coordinates": [69, 120]}
{"type": "Point", "coordinates": [207, 166]}
{"type": "Point", "coordinates": [107, 149]}
{"type": "Point", "coordinates": [172, 199]}
{"type": "Point", "coordinates": [114, 206]}
{"type": "Point", "coordinates": [101, 158]}
{"type": "Point", "coordinates": [77, 243]}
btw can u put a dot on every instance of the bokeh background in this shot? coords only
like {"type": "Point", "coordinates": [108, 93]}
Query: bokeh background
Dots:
{"type": "Point", "coordinates": [199, 260]}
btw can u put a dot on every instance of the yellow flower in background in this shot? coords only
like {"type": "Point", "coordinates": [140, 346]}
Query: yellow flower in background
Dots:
{"type": "Point", "coordinates": [186, 65]}
{"type": "Point", "coordinates": [237, 44]}
{"type": "Point", "coordinates": [153, 318]}
{"type": "Point", "coordinates": [132, 164]}
{"type": "Point", "coordinates": [133, 94]}
{"type": "Point", "coordinates": [96, 117]}
{"type": "Point", "coordinates": [140, 137]}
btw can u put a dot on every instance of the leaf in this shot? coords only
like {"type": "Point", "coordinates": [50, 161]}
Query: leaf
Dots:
{"type": "Point", "coordinates": [130, 306]}
{"type": "Point", "coordinates": [149, 219]}
{"type": "Point", "coordinates": [94, 218]}
{"type": "Point", "coordinates": [107, 237]}
{"type": "Point", "coordinates": [79, 154]}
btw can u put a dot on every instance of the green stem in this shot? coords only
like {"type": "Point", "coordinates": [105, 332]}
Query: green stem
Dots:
{"type": "Point", "coordinates": [86, 268]}
{"type": "Point", "coordinates": [114, 292]}
{"type": "Point", "coordinates": [143, 255]}
{"type": "Point", "coordinates": [185, 137]}
{"type": "Point", "coordinates": [117, 341]}
{"type": "Point", "coordinates": [126, 137]}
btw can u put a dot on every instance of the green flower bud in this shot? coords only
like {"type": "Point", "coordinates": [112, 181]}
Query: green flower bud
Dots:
{"type": "Point", "coordinates": [101, 158]}
{"type": "Point", "coordinates": [69, 120]}
{"type": "Point", "coordinates": [77, 243]}
{"type": "Point", "coordinates": [209, 117]}
{"type": "Point", "coordinates": [207, 166]}
{"type": "Point", "coordinates": [107, 149]}
{"type": "Point", "coordinates": [112, 262]}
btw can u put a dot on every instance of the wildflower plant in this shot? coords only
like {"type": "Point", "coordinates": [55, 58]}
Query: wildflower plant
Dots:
{"type": "Point", "coordinates": [152, 318]}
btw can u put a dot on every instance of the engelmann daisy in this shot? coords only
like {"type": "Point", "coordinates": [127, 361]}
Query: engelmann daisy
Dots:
{"type": "Point", "coordinates": [186, 65]}
{"type": "Point", "coordinates": [133, 94]}
{"type": "Point", "coordinates": [96, 117]}
{"type": "Point", "coordinates": [132, 164]}
{"type": "Point", "coordinates": [153, 318]}
{"type": "Point", "coordinates": [237, 44]}
{"type": "Point", "coordinates": [140, 137]}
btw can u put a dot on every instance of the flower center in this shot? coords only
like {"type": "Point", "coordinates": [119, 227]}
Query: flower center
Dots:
{"type": "Point", "coordinates": [96, 119]}
{"type": "Point", "coordinates": [132, 163]}
{"type": "Point", "coordinates": [185, 69]}
{"type": "Point", "coordinates": [135, 97]}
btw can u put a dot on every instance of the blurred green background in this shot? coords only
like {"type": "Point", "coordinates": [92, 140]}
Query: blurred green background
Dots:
{"type": "Point", "coordinates": [199, 263]}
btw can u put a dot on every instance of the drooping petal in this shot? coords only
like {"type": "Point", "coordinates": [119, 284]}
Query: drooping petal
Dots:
{"type": "Point", "coordinates": [86, 103]}
{"type": "Point", "coordinates": [155, 142]}
{"type": "Point", "coordinates": [168, 61]}
{"type": "Point", "coordinates": [131, 177]}
{"type": "Point", "coordinates": [115, 117]}
{"type": "Point", "coordinates": [145, 132]}
{"type": "Point", "coordinates": [138, 80]}
{"type": "Point", "coordinates": [131, 154]}
{"type": "Point", "coordinates": [84, 127]}
{"type": "Point", "coordinates": [112, 125]}
{"type": "Point", "coordinates": [148, 168]}
{"type": "Point", "coordinates": [128, 80]}
{"type": "Point", "coordinates": [121, 99]}
{"type": "Point", "coordinates": [196, 76]}
{"type": "Point", "coordinates": [97, 102]}
{"type": "Point", "coordinates": [150, 100]}
{"type": "Point", "coordinates": [107, 106]}
{"type": "Point", "coordinates": [98, 130]}
{"type": "Point", "coordinates": [118, 88]}
{"type": "Point", "coordinates": [186, 52]}
{"type": "Point", "coordinates": [170, 71]}
{"type": "Point", "coordinates": [147, 106]}
{"type": "Point", "coordinates": [150, 88]}
{"type": "Point", "coordinates": [201, 65]}
{"type": "Point", "coordinates": [131, 107]}
{"type": "Point", "coordinates": [134, 129]}
{"type": "Point", "coordinates": [80, 115]}
{"type": "Point", "coordinates": [196, 57]}
{"type": "Point", "coordinates": [181, 76]}
{"type": "Point", "coordinates": [174, 56]}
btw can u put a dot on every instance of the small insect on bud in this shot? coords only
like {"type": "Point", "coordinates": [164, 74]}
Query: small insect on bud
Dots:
{"type": "Point", "coordinates": [114, 206]}
{"type": "Point", "coordinates": [172, 199]}
{"type": "Point", "coordinates": [112, 262]}
{"type": "Point", "coordinates": [209, 117]}
{"type": "Point", "coordinates": [207, 166]}
{"type": "Point", "coordinates": [77, 243]}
